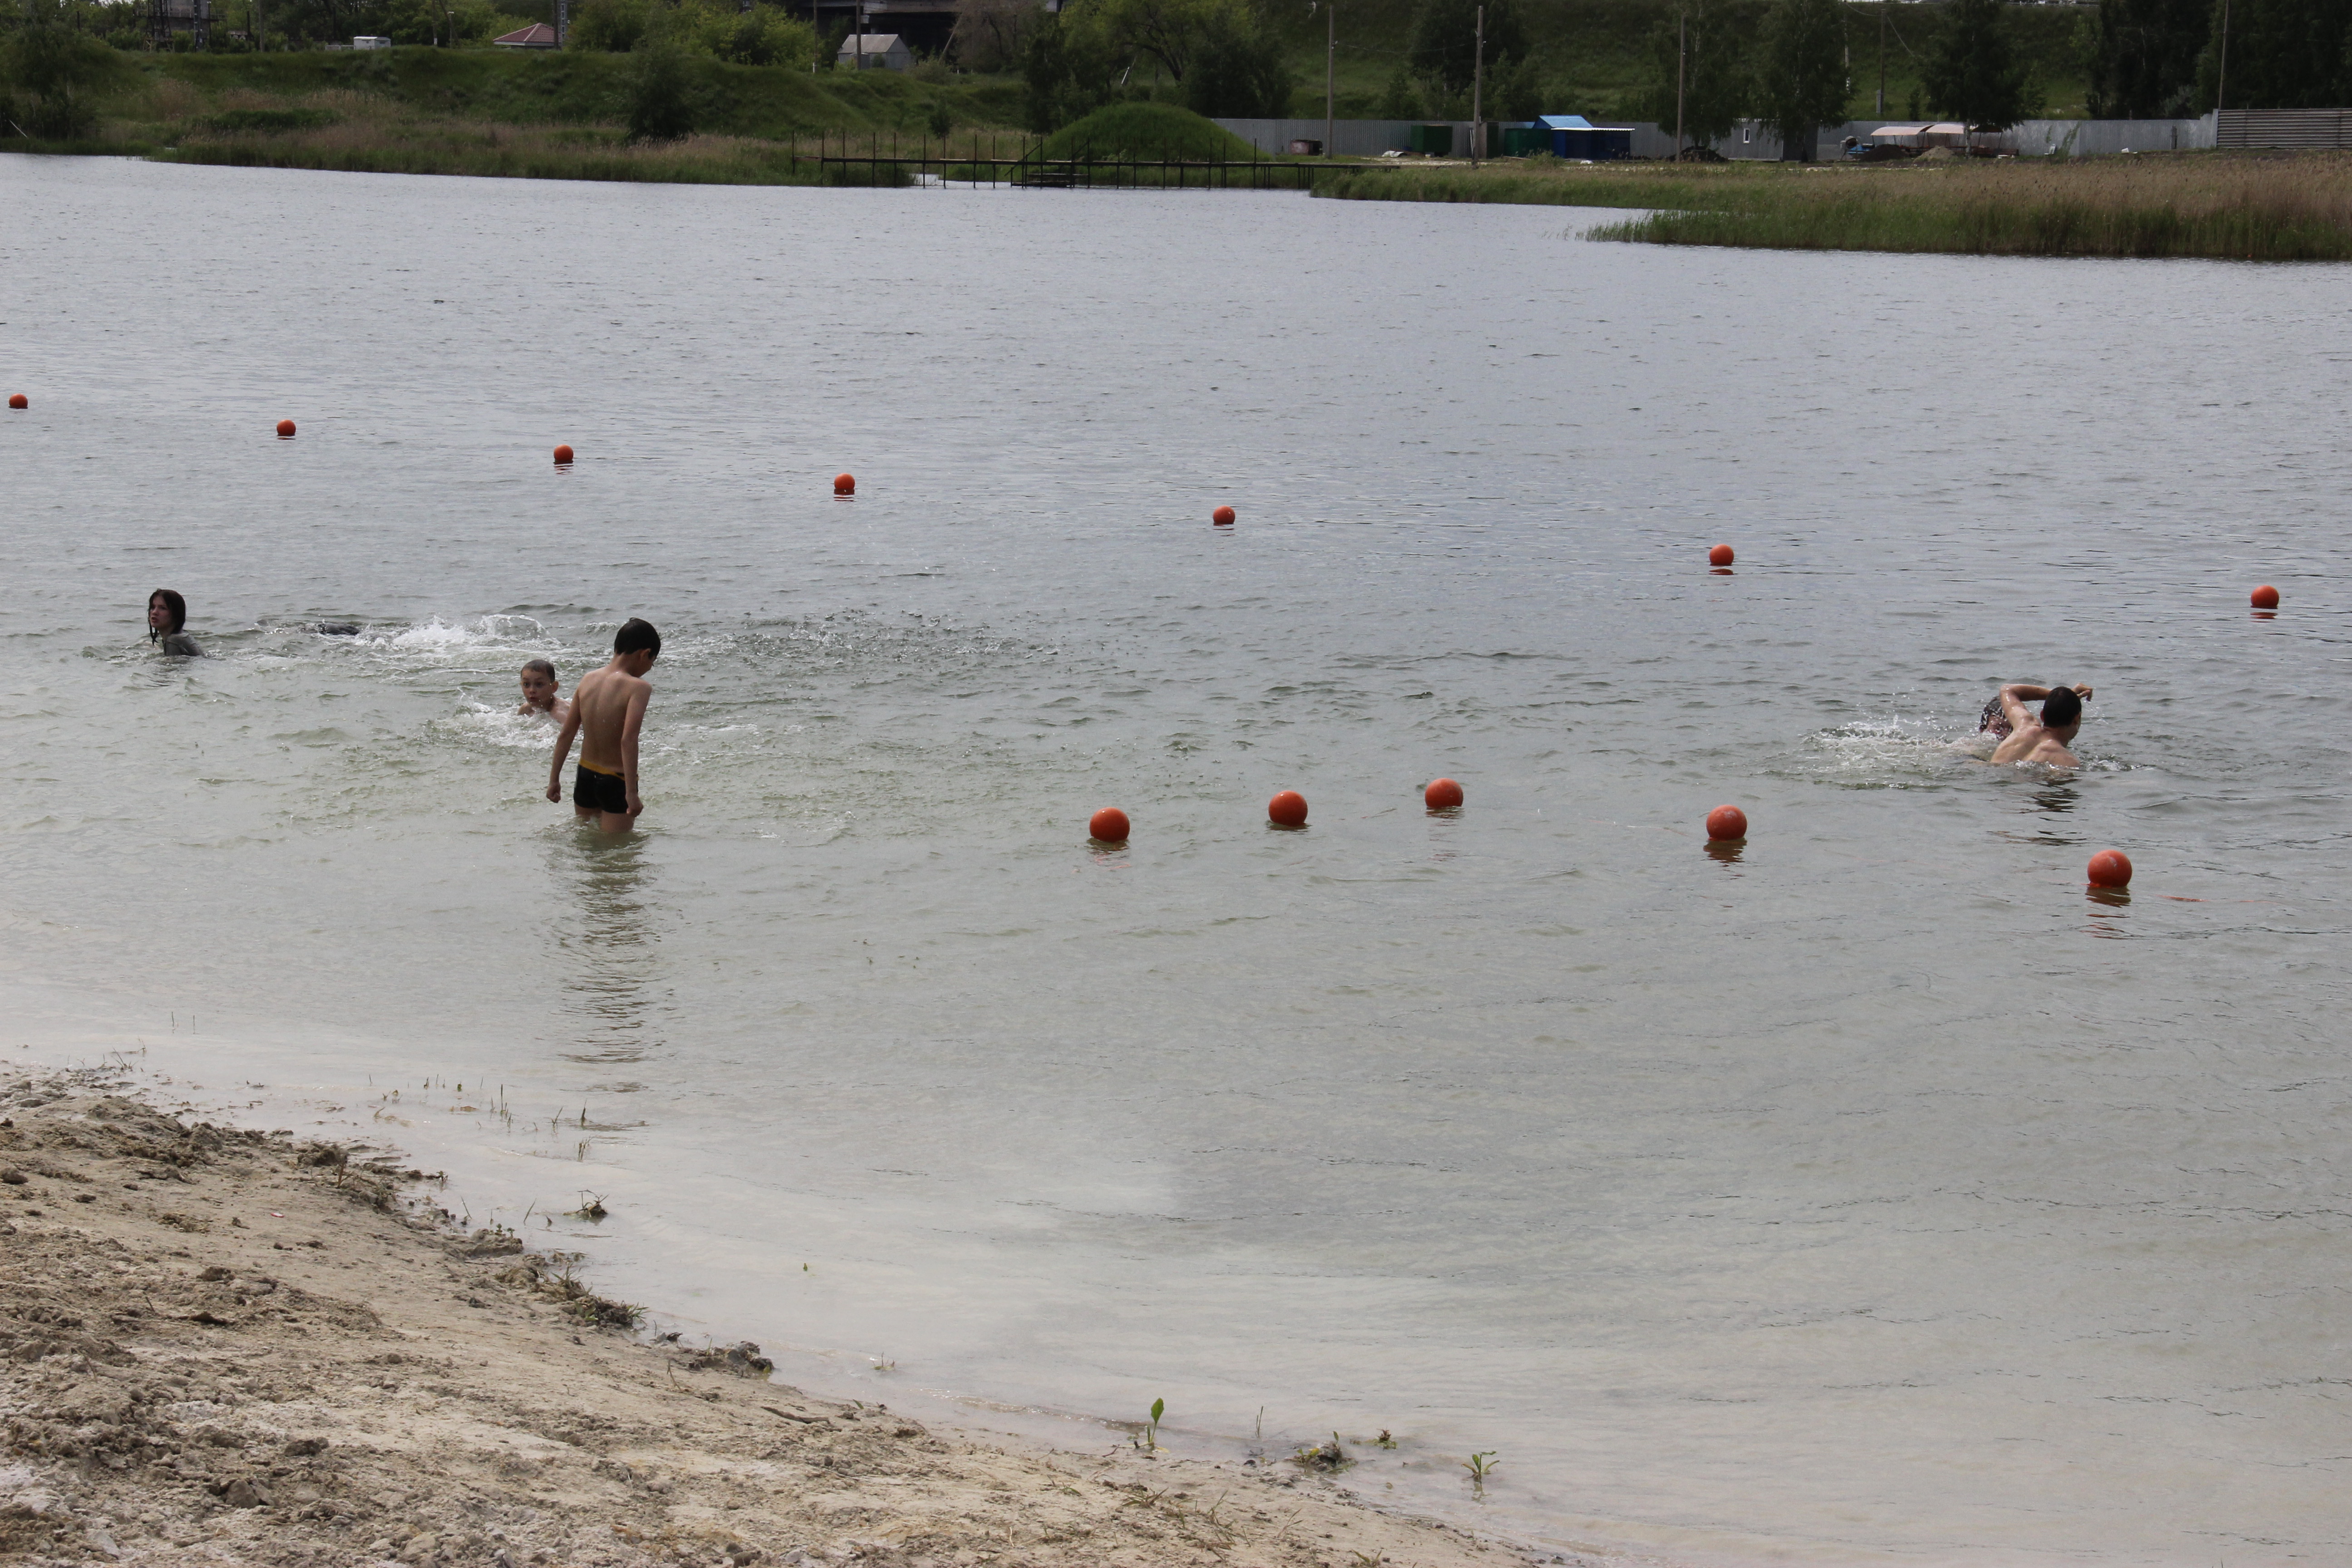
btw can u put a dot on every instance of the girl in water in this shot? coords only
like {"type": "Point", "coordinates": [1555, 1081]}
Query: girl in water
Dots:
{"type": "Point", "coordinates": [167, 617]}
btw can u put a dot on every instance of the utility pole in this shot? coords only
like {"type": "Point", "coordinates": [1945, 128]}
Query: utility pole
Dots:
{"type": "Point", "coordinates": [1330, 74]}
{"type": "Point", "coordinates": [1682, 54]}
{"type": "Point", "coordinates": [1478, 95]}
{"type": "Point", "coordinates": [2221, 78]}
{"type": "Point", "coordinates": [1882, 56]}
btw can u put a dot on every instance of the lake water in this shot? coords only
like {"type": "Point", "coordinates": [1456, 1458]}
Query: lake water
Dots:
{"type": "Point", "coordinates": [1875, 1194]}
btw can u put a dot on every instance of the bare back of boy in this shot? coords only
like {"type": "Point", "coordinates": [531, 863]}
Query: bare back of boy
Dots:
{"type": "Point", "coordinates": [608, 709]}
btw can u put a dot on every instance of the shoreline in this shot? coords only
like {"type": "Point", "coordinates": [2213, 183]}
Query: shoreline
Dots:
{"type": "Point", "coordinates": [231, 1346]}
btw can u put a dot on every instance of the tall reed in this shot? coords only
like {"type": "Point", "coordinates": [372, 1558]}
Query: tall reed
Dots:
{"type": "Point", "coordinates": [2277, 207]}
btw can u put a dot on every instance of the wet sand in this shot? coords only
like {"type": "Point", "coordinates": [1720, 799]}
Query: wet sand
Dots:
{"type": "Point", "coordinates": [221, 1346]}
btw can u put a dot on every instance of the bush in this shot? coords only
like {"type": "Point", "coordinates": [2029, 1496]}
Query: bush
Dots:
{"type": "Point", "coordinates": [614, 26]}
{"type": "Point", "coordinates": [1237, 69]}
{"type": "Point", "coordinates": [763, 35]}
{"type": "Point", "coordinates": [661, 106]}
{"type": "Point", "coordinates": [60, 68]}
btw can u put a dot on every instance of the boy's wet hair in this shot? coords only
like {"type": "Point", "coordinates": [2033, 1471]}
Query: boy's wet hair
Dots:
{"type": "Point", "coordinates": [635, 634]}
{"type": "Point", "coordinates": [2061, 708]}
{"type": "Point", "coordinates": [173, 603]}
{"type": "Point", "coordinates": [540, 665]}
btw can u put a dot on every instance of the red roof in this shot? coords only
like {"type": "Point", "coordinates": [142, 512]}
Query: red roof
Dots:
{"type": "Point", "coordinates": [538, 36]}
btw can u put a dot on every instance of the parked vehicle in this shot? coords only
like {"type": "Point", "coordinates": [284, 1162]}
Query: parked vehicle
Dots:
{"type": "Point", "coordinates": [1877, 151]}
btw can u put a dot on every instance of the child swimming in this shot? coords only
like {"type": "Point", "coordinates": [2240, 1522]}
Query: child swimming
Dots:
{"type": "Point", "coordinates": [539, 692]}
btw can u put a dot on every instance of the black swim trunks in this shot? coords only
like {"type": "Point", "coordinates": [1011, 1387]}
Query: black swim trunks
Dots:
{"type": "Point", "coordinates": [592, 790]}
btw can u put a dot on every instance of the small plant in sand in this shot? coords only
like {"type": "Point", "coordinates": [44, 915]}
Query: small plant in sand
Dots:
{"type": "Point", "coordinates": [592, 1206]}
{"type": "Point", "coordinates": [1151, 1432]}
{"type": "Point", "coordinates": [1384, 1440]}
{"type": "Point", "coordinates": [1480, 1467]}
{"type": "Point", "coordinates": [1328, 1457]}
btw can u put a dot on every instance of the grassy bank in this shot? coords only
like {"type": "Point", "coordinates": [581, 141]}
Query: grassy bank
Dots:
{"type": "Point", "coordinates": [2253, 208]}
{"type": "Point", "coordinates": [527, 114]}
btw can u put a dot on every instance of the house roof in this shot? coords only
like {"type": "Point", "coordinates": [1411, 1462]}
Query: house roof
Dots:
{"type": "Point", "coordinates": [1563, 122]}
{"type": "Point", "coordinates": [869, 43]}
{"type": "Point", "coordinates": [538, 36]}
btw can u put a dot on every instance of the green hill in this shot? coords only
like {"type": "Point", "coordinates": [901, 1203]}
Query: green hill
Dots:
{"type": "Point", "coordinates": [1145, 131]}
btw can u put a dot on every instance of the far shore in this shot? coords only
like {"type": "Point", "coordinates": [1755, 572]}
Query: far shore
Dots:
{"type": "Point", "coordinates": [225, 1347]}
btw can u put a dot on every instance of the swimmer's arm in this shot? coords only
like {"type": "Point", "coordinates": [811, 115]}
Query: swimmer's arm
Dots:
{"type": "Point", "coordinates": [630, 722]}
{"type": "Point", "coordinates": [562, 750]}
{"type": "Point", "coordinates": [2013, 700]}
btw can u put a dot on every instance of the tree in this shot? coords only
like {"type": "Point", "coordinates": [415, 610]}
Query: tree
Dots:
{"type": "Point", "coordinates": [1520, 92]}
{"type": "Point", "coordinates": [1973, 72]}
{"type": "Point", "coordinates": [1398, 100]}
{"type": "Point", "coordinates": [2143, 63]}
{"type": "Point", "coordinates": [2283, 54]}
{"type": "Point", "coordinates": [1714, 79]}
{"type": "Point", "coordinates": [50, 58]}
{"type": "Point", "coordinates": [1068, 71]}
{"type": "Point", "coordinates": [1238, 69]}
{"type": "Point", "coordinates": [661, 103]}
{"type": "Point", "coordinates": [1800, 79]}
{"type": "Point", "coordinates": [993, 34]}
{"type": "Point", "coordinates": [1445, 40]}
{"type": "Point", "coordinates": [1170, 31]}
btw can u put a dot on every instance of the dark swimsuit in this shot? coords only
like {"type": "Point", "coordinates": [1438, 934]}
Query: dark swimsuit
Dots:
{"type": "Point", "coordinates": [595, 789]}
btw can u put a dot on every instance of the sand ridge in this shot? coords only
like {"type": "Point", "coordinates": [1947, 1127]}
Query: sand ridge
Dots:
{"type": "Point", "coordinates": [222, 1347]}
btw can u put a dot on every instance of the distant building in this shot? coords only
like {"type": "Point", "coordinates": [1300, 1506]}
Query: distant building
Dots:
{"type": "Point", "coordinates": [538, 36]}
{"type": "Point", "coordinates": [165, 18]}
{"type": "Point", "coordinates": [868, 50]}
{"type": "Point", "coordinates": [1573, 136]}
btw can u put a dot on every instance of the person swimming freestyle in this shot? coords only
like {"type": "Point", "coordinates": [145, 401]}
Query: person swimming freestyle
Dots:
{"type": "Point", "coordinates": [2028, 737]}
{"type": "Point", "coordinates": [608, 709]}
{"type": "Point", "coordinates": [167, 620]}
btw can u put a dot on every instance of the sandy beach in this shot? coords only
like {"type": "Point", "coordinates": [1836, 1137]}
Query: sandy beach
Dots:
{"type": "Point", "coordinates": [223, 1346]}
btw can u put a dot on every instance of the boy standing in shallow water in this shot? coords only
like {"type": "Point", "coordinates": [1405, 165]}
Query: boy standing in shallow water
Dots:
{"type": "Point", "coordinates": [608, 707]}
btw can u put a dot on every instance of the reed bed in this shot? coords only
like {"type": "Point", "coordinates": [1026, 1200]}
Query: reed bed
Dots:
{"type": "Point", "coordinates": [2253, 207]}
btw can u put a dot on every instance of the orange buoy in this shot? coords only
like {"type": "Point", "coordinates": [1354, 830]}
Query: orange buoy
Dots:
{"type": "Point", "coordinates": [285, 429]}
{"type": "Point", "coordinates": [18, 400]}
{"type": "Point", "coordinates": [1223, 517]}
{"type": "Point", "coordinates": [2111, 869]}
{"type": "Point", "coordinates": [1287, 809]}
{"type": "Point", "coordinates": [2266, 597]}
{"type": "Point", "coordinates": [562, 454]}
{"type": "Point", "coordinates": [844, 484]}
{"type": "Point", "coordinates": [1109, 824]}
{"type": "Point", "coordinates": [1725, 823]}
{"type": "Point", "coordinates": [1719, 556]}
{"type": "Point", "coordinates": [1442, 795]}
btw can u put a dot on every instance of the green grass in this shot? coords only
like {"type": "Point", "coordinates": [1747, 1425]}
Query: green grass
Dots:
{"type": "Point", "coordinates": [2264, 207]}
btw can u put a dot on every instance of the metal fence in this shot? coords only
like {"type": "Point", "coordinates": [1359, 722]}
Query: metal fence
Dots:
{"type": "Point", "coordinates": [1752, 139]}
{"type": "Point", "coordinates": [2283, 128]}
